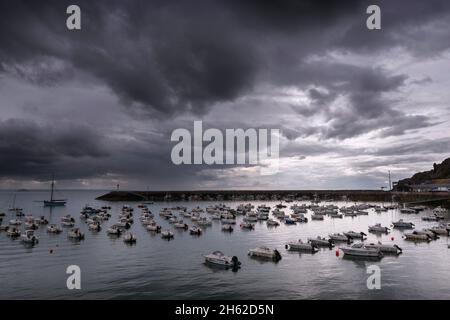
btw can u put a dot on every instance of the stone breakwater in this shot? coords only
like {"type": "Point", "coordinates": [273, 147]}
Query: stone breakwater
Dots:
{"type": "Point", "coordinates": [275, 195]}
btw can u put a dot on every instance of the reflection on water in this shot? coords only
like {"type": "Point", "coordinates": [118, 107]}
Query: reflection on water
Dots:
{"type": "Point", "coordinates": [154, 268]}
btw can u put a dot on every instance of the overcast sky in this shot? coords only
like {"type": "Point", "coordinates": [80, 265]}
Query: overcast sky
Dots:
{"type": "Point", "coordinates": [96, 107]}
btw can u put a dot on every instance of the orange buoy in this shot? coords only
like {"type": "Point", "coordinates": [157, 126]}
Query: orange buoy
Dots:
{"type": "Point", "coordinates": [337, 253]}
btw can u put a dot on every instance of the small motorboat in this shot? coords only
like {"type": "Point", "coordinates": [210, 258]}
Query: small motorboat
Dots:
{"type": "Point", "coordinates": [204, 222]}
{"type": "Point", "coordinates": [408, 211]}
{"type": "Point", "coordinates": [31, 226]}
{"type": "Point", "coordinates": [75, 234]}
{"type": "Point", "coordinates": [181, 225]}
{"type": "Point", "coordinates": [227, 228]}
{"type": "Point", "coordinates": [321, 242]}
{"type": "Point", "coordinates": [400, 224]}
{"type": "Point", "coordinates": [377, 228]}
{"type": "Point", "coordinates": [417, 236]}
{"type": "Point", "coordinates": [217, 257]}
{"type": "Point", "coordinates": [301, 246]}
{"type": "Point", "coordinates": [41, 221]}
{"type": "Point", "coordinates": [123, 225]}
{"type": "Point", "coordinates": [173, 220]}
{"type": "Point", "coordinates": [29, 238]}
{"type": "Point", "coordinates": [385, 248]}
{"type": "Point", "coordinates": [359, 250]}
{"type": "Point", "coordinates": [433, 235]}
{"type": "Point", "coordinates": [262, 216]}
{"type": "Point", "coordinates": [351, 214]}
{"type": "Point", "coordinates": [186, 214]}
{"type": "Point", "coordinates": [15, 222]}
{"type": "Point", "coordinates": [153, 227]}
{"type": "Point", "coordinates": [301, 218]}
{"type": "Point", "coordinates": [249, 218]}
{"type": "Point", "coordinates": [289, 221]}
{"type": "Point", "coordinates": [13, 232]}
{"type": "Point", "coordinates": [195, 230]}
{"type": "Point", "coordinates": [440, 210]}
{"type": "Point", "coordinates": [67, 221]}
{"type": "Point", "coordinates": [318, 217]}
{"type": "Point", "coordinates": [148, 222]}
{"type": "Point", "coordinates": [4, 228]}
{"type": "Point", "coordinates": [247, 225]}
{"type": "Point", "coordinates": [355, 235]}
{"type": "Point", "coordinates": [228, 221]}
{"type": "Point", "coordinates": [129, 238]}
{"type": "Point", "coordinates": [340, 237]}
{"type": "Point", "coordinates": [430, 218]}
{"type": "Point", "coordinates": [53, 228]}
{"type": "Point", "coordinates": [266, 253]}
{"type": "Point", "coordinates": [114, 230]}
{"type": "Point", "coordinates": [167, 234]}
{"type": "Point", "coordinates": [272, 223]}
{"type": "Point", "coordinates": [441, 229]}
{"type": "Point", "coordinates": [95, 226]}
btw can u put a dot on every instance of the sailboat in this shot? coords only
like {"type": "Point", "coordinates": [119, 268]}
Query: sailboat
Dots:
{"type": "Point", "coordinates": [14, 208]}
{"type": "Point", "coordinates": [54, 202]}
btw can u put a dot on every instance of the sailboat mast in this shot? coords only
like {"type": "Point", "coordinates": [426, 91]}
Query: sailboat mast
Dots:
{"type": "Point", "coordinates": [53, 186]}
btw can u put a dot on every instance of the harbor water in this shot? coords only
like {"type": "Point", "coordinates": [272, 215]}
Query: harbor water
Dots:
{"type": "Point", "coordinates": [155, 268]}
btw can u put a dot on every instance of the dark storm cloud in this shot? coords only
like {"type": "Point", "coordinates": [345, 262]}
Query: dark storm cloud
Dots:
{"type": "Point", "coordinates": [28, 149]}
{"type": "Point", "coordinates": [166, 58]}
{"type": "Point", "coordinates": [176, 56]}
{"type": "Point", "coordinates": [365, 108]}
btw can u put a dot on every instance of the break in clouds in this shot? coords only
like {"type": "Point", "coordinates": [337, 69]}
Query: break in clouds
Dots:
{"type": "Point", "coordinates": [97, 106]}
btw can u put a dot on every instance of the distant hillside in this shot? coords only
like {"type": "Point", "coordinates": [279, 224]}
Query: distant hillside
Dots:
{"type": "Point", "coordinates": [439, 174]}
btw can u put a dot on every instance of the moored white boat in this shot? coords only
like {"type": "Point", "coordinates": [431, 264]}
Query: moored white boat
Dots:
{"type": "Point", "coordinates": [301, 246]}
{"type": "Point", "coordinates": [321, 242]}
{"type": "Point", "coordinates": [400, 224]}
{"type": "Point", "coordinates": [359, 250]}
{"type": "Point", "coordinates": [417, 236]}
{"type": "Point", "coordinates": [181, 225]}
{"type": "Point", "coordinates": [272, 223]}
{"type": "Point", "coordinates": [166, 234]}
{"type": "Point", "coordinates": [265, 252]}
{"type": "Point", "coordinates": [217, 257]}
{"type": "Point", "coordinates": [385, 248]}
{"type": "Point", "coordinates": [129, 238]}
{"type": "Point", "coordinates": [15, 222]}
{"type": "Point", "coordinates": [29, 237]}
{"type": "Point", "coordinates": [247, 225]}
{"type": "Point", "coordinates": [377, 228]}
{"type": "Point", "coordinates": [339, 237]}
{"type": "Point", "coordinates": [114, 230]}
{"type": "Point", "coordinates": [13, 232]}
{"type": "Point", "coordinates": [53, 228]}
{"type": "Point", "coordinates": [355, 235]}
{"type": "Point", "coordinates": [153, 227]}
{"type": "Point", "coordinates": [95, 226]}
{"type": "Point", "coordinates": [195, 230]}
{"type": "Point", "coordinates": [75, 234]}
{"type": "Point", "coordinates": [227, 228]}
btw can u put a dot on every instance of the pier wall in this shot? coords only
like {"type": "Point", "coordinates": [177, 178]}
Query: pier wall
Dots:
{"type": "Point", "coordinates": [266, 195]}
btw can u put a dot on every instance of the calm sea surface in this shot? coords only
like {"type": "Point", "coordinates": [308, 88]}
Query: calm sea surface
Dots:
{"type": "Point", "coordinates": [159, 269]}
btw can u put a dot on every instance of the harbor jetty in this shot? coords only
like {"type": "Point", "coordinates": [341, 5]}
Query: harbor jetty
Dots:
{"type": "Point", "coordinates": [278, 195]}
